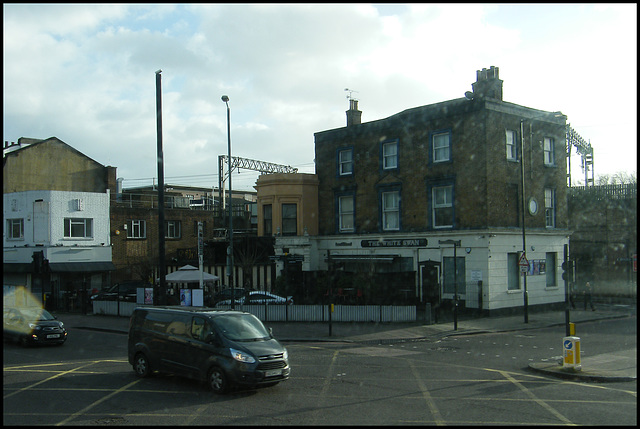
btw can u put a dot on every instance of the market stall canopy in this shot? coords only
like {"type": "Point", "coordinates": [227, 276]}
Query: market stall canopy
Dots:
{"type": "Point", "coordinates": [189, 274]}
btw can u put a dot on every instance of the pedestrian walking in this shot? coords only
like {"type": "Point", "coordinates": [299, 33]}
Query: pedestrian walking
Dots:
{"type": "Point", "coordinates": [572, 295]}
{"type": "Point", "coordinates": [587, 296]}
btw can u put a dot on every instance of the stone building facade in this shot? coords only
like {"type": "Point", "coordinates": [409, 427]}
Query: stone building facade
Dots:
{"type": "Point", "coordinates": [396, 194]}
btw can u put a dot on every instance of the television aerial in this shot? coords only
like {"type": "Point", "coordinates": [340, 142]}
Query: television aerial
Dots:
{"type": "Point", "coordinates": [350, 95]}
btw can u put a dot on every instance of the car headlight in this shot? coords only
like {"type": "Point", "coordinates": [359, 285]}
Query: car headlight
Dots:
{"type": "Point", "coordinates": [285, 355]}
{"type": "Point", "coordinates": [242, 356]}
{"type": "Point", "coordinates": [61, 325]}
{"type": "Point", "coordinates": [34, 326]}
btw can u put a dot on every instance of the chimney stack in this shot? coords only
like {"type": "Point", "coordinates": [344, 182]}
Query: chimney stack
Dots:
{"type": "Point", "coordinates": [488, 84]}
{"type": "Point", "coordinates": [354, 116]}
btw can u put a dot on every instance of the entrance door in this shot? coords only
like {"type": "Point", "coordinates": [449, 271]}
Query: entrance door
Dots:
{"type": "Point", "coordinates": [430, 273]}
{"type": "Point", "coordinates": [41, 222]}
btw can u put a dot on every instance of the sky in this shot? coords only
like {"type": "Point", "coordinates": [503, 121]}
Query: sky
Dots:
{"type": "Point", "coordinates": [86, 74]}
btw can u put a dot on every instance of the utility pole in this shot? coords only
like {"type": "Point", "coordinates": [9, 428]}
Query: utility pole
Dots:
{"type": "Point", "coordinates": [162, 291]}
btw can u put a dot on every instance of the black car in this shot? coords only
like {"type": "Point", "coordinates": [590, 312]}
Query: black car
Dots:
{"type": "Point", "coordinates": [32, 325]}
{"type": "Point", "coordinates": [126, 291]}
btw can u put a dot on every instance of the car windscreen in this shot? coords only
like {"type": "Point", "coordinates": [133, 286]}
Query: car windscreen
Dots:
{"type": "Point", "coordinates": [36, 314]}
{"type": "Point", "coordinates": [241, 327]}
{"type": "Point", "coordinates": [126, 287]}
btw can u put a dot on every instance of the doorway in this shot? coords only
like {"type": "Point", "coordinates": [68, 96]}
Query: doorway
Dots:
{"type": "Point", "coordinates": [430, 275]}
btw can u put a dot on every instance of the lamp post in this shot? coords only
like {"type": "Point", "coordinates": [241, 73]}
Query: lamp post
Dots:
{"type": "Point", "coordinates": [225, 99]}
{"type": "Point", "coordinates": [524, 235]}
{"type": "Point", "coordinates": [456, 244]}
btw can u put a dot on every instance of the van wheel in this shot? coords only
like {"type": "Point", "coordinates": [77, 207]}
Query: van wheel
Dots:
{"type": "Point", "coordinates": [217, 380]}
{"type": "Point", "coordinates": [141, 366]}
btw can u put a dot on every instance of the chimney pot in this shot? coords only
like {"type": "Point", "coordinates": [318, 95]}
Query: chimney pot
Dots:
{"type": "Point", "coordinates": [488, 83]}
{"type": "Point", "coordinates": [354, 116]}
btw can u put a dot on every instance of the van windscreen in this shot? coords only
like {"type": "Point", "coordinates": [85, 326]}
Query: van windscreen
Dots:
{"type": "Point", "coordinates": [241, 327]}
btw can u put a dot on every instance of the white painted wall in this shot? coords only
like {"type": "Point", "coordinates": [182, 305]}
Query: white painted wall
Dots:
{"type": "Point", "coordinates": [485, 256]}
{"type": "Point", "coordinates": [44, 226]}
{"type": "Point", "coordinates": [61, 204]}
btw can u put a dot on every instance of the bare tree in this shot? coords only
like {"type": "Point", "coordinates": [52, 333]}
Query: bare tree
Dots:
{"type": "Point", "coordinates": [249, 252]}
{"type": "Point", "coordinates": [619, 178]}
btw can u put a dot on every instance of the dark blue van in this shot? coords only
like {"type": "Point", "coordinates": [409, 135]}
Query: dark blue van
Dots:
{"type": "Point", "coordinates": [222, 348]}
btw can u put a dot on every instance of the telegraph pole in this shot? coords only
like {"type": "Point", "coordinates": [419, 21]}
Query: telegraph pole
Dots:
{"type": "Point", "coordinates": [162, 292]}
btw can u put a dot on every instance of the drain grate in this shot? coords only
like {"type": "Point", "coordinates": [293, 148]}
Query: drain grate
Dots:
{"type": "Point", "coordinates": [110, 421]}
{"type": "Point", "coordinates": [443, 349]}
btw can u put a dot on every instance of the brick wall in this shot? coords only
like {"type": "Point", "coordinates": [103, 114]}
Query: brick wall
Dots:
{"type": "Point", "coordinates": [487, 186]}
{"type": "Point", "coordinates": [604, 223]}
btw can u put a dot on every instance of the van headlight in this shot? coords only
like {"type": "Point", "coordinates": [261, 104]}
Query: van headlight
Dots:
{"type": "Point", "coordinates": [242, 356]}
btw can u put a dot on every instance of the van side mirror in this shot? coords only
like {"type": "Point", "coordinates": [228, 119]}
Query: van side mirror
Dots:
{"type": "Point", "coordinates": [212, 338]}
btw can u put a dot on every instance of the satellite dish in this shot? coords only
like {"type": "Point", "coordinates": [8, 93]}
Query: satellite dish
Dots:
{"type": "Point", "coordinates": [469, 95]}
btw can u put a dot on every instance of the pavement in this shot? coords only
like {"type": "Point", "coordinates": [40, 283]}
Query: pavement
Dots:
{"type": "Point", "coordinates": [619, 366]}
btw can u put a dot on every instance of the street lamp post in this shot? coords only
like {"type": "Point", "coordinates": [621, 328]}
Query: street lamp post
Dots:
{"type": "Point", "coordinates": [456, 244]}
{"type": "Point", "coordinates": [523, 198]}
{"type": "Point", "coordinates": [524, 236]}
{"type": "Point", "coordinates": [225, 99]}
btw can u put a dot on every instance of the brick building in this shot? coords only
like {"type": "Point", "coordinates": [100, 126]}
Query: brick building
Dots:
{"type": "Point", "coordinates": [395, 194]}
{"type": "Point", "coordinates": [56, 208]}
{"type": "Point", "coordinates": [134, 224]}
{"type": "Point", "coordinates": [604, 243]}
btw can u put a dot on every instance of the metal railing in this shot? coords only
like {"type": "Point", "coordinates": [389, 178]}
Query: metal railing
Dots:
{"type": "Point", "coordinates": [292, 313]}
{"type": "Point", "coordinates": [611, 192]}
{"type": "Point", "coordinates": [150, 201]}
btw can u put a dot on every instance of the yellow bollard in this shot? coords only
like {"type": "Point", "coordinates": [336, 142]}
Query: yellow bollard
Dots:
{"type": "Point", "coordinates": [571, 353]}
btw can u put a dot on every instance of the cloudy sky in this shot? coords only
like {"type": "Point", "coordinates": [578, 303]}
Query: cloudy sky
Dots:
{"type": "Point", "coordinates": [86, 74]}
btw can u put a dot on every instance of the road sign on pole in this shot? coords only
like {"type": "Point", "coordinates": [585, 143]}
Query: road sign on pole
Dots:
{"type": "Point", "coordinates": [523, 261]}
{"type": "Point", "coordinates": [524, 264]}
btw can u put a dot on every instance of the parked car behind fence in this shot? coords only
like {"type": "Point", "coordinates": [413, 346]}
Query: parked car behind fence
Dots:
{"type": "Point", "coordinates": [126, 291]}
{"type": "Point", "coordinates": [259, 297]}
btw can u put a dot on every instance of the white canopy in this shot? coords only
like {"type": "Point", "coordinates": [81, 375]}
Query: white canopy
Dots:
{"type": "Point", "coordinates": [189, 274]}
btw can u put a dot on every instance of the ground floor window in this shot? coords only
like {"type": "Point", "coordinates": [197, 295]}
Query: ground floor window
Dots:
{"type": "Point", "coordinates": [513, 271]}
{"type": "Point", "coordinates": [450, 274]}
{"type": "Point", "coordinates": [551, 269]}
